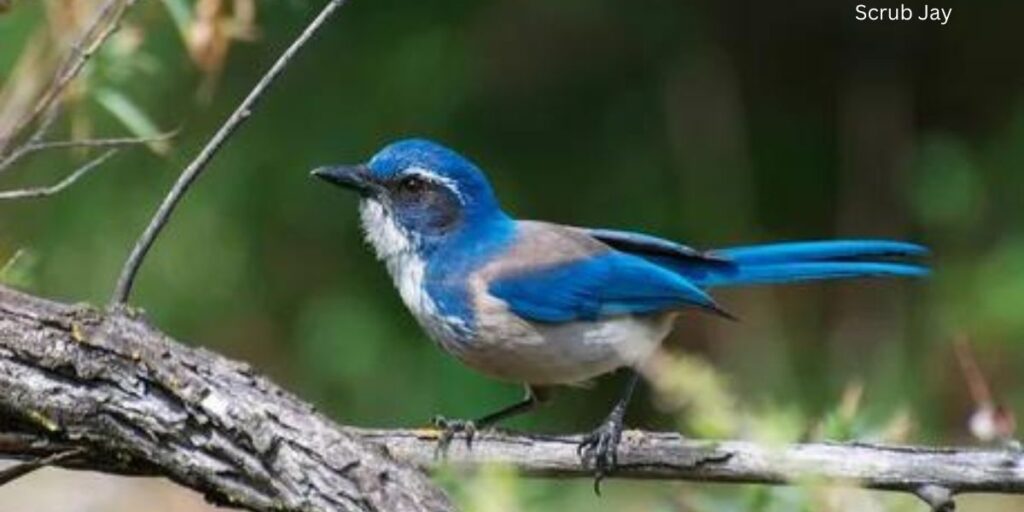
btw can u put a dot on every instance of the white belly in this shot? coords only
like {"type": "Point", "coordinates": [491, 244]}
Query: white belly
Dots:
{"type": "Point", "coordinates": [509, 348]}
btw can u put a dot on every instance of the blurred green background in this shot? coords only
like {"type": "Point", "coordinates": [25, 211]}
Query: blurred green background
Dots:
{"type": "Point", "coordinates": [712, 123]}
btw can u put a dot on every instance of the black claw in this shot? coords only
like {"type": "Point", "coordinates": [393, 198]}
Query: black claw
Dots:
{"type": "Point", "coordinates": [449, 429]}
{"type": "Point", "coordinates": [599, 450]}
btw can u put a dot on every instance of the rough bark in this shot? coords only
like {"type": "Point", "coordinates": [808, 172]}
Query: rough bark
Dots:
{"type": "Point", "coordinates": [107, 392]}
{"type": "Point", "coordinates": [140, 403]}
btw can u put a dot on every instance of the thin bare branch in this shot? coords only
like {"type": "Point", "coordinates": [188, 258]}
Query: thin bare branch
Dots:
{"type": "Point", "coordinates": [112, 142]}
{"type": "Point", "coordinates": [8, 160]}
{"type": "Point", "coordinates": [27, 444]}
{"type": "Point", "coordinates": [17, 471]}
{"type": "Point", "coordinates": [189, 175]}
{"type": "Point", "coordinates": [977, 384]}
{"type": "Point", "coordinates": [103, 142]}
{"type": "Point", "coordinates": [77, 174]}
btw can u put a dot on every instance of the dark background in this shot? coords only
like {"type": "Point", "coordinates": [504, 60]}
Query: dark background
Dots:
{"type": "Point", "coordinates": [712, 123]}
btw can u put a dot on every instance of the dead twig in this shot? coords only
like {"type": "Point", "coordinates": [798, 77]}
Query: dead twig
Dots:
{"type": "Point", "coordinates": [17, 471]}
{"type": "Point", "coordinates": [112, 142]}
{"type": "Point", "coordinates": [47, 107]}
{"type": "Point", "coordinates": [77, 174]}
{"type": "Point", "coordinates": [196, 167]}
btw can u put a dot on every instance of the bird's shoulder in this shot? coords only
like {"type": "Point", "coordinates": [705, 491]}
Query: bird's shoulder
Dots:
{"type": "Point", "coordinates": [539, 243]}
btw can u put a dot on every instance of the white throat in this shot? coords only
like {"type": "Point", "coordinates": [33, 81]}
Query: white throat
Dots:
{"type": "Point", "coordinates": [387, 237]}
{"type": "Point", "coordinates": [395, 246]}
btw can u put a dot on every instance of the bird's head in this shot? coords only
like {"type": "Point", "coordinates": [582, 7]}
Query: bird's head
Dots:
{"type": "Point", "coordinates": [416, 194]}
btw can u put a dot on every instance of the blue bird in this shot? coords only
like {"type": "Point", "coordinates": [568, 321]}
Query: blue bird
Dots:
{"type": "Point", "coordinates": [546, 304]}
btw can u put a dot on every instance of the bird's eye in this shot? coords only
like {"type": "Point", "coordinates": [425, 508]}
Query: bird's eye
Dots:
{"type": "Point", "coordinates": [412, 184]}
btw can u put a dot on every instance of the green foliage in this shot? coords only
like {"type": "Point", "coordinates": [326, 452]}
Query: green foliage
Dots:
{"type": "Point", "coordinates": [999, 291]}
{"type": "Point", "coordinates": [180, 12]}
{"type": "Point", "coordinates": [948, 192]}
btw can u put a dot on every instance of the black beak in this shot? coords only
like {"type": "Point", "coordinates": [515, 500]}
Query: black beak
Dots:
{"type": "Point", "coordinates": [354, 177]}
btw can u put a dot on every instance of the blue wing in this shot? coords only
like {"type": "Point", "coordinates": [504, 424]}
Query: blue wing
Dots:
{"type": "Point", "coordinates": [609, 283]}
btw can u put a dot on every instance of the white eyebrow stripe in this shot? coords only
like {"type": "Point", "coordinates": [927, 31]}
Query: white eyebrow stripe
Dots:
{"type": "Point", "coordinates": [436, 178]}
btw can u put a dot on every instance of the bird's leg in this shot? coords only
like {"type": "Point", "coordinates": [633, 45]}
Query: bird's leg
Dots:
{"type": "Point", "coordinates": [600, 447]}
{"type": "Point", "coordinates": [450, 428]}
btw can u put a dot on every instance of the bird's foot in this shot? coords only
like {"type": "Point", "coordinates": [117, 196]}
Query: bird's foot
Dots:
{"type": "Point", "coordinates": [449, 429]}
{"type": "Point", "coordinates": [599, 449]}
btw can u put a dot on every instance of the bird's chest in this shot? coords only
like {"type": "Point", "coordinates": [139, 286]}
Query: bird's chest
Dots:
{"type": "Point", "coordinates": [431, 302]}
{"type": "Point", "coordinates": [407, 272]}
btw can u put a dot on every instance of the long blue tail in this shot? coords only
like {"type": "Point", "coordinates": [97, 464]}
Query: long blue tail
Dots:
{"type": "Point", "coordinates": [786, 262]}
{"type": "Point", "coordinates": [807, 261]}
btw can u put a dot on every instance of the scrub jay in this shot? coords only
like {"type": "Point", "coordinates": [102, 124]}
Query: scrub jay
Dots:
{"type": "Point", "coordinates": [546, 304]}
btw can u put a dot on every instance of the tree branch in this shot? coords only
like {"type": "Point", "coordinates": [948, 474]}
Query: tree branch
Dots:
{"type": "Point", "coordinates": [136, 402]}
{"type": "Point", "coordinates": [669, 456]}
{"type": "Point", "coordinates": [47, 108]}
{"type": "Point", "coordinates": [35, 146]}
{"type": "Point", "coordinates": [131, 266]}
{"type": "Point", "coordinates": [123, 398]}
{"type": "Point", "coordinates": [56, 188]}
{"type": "Point", "coordinates": [17, 471]}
